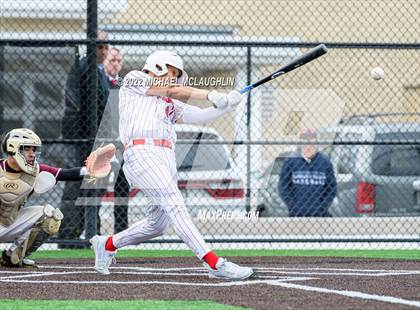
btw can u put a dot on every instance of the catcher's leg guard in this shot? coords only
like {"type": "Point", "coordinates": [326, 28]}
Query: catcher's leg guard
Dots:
{"type": "Point", "coordinates": [47, 225]}
{"type": "Point", "coordinates": [5, 261]}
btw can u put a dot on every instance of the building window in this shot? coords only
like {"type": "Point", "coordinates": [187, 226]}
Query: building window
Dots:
{"type": "Point", "coordinates": [268, 102]}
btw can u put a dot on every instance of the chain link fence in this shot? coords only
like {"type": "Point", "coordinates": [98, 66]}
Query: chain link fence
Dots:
{"type": "Point", "coordinates": [324, 154]}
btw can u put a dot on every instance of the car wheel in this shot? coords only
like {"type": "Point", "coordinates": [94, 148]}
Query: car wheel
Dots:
{"type": "Point", "coordinates": [261, 210]}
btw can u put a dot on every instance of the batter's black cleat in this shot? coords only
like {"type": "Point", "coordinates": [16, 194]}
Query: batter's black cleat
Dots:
{"type": "Point", "coordinates": [6, 262]}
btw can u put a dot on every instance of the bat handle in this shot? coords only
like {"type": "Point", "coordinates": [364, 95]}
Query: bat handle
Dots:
{"type": "Point", "coordinates": [245, 89]}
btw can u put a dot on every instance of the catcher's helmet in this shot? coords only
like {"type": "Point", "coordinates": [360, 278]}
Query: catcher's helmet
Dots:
{"type": "Point", "coordinates": [157, 63]}
{"type": "Point", "coordinates": [14, 143]}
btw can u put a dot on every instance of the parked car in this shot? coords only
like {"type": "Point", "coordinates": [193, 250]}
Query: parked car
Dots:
{"type": "Point", "coordinates": [269, 202]}
{"type": "Point", "coordinates": [378, 178]}
{"type": "Point", "coordinates": [208, 179]}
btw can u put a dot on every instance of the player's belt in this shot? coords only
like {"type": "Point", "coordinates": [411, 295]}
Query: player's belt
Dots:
{"type": "Point", "coordinates": [156, 142]}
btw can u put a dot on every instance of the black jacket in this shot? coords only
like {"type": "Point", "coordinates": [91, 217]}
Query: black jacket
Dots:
{"type": "Point", "coordinates": [77, 122]}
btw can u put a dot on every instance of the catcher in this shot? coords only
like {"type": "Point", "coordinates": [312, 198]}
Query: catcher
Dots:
{"type": "Point", "coordinates": [20, 175]}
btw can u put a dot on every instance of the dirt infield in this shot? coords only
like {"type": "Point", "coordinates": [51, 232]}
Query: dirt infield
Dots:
{"type": "Point", "coordinates": [280, 282]}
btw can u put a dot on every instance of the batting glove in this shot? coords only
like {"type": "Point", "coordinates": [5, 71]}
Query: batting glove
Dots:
{"type": "Point", "coordinates": [219, 100]}
{"type": "Point", "coordinates": [234, 98]}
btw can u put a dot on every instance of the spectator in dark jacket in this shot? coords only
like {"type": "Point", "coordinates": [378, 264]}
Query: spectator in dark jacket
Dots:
{"type": "Point", "coordinates": [77, 124]}
{"type": "Point", "coordinates": [307, 182]}
{"type": "Point", "coordinates": [113, 66]}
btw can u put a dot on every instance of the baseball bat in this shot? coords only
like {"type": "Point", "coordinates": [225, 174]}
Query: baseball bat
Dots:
{"type": "Point", "coordinates": [292, 65]}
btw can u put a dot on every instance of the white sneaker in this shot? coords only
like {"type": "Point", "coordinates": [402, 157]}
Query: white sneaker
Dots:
{"type": "Point", "coordinates": [29, 262]}
{"type": "Point", "coordinates": [228, 270]}
{"type": "Point", "coordinates": [103, 258]}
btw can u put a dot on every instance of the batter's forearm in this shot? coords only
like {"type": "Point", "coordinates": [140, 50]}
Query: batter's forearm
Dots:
{"type": "Point", "coordinates": [195, 115]}
{"type": "Point", "coordinates": [182, 93]}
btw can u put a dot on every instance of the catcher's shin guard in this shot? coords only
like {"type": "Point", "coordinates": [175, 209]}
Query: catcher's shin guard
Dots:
{"type": "Point", "coordinates": [5, 261]}
{"type": "Point", "coordinates": [47, 225]}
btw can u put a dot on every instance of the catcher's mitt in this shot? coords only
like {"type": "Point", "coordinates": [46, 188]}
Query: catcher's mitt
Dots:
{"type": "Point", "coordinates": [98, 162]}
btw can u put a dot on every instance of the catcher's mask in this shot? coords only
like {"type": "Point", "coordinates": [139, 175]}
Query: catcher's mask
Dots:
{"type": "Point", "coordinates": [157, 63]}
{"type": "Point", "coordinates": [19, 140]}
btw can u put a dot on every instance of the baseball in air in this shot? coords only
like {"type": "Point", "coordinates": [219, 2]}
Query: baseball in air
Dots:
{"type": "Point", "coordinates": [377, 73]}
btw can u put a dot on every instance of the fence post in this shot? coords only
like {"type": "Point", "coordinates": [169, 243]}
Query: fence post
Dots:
{"type": "Point", "coordinates": [91, 209]}
{"type": "Point", "coordinates": [248, 132]}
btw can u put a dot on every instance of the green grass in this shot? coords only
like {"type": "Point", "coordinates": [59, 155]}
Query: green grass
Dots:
{"type": "Point", "coordinates": [114, 305]}
{"type": "Point", "coordinates": [385, 254]}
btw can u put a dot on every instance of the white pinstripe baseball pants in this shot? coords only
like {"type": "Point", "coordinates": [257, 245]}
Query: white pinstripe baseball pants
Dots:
{"type": "Point", "coordinates": [152, 169]}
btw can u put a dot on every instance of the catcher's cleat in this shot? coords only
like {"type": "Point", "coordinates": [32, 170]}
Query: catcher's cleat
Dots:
{"type": "Point", "coordinates": [228, 270]}
{"type": "Point", "coordinates": [29, 263]}
{"type": "Point", "coordinates": [103, 258]}
{"type": "Point", "coordinates": [5, 261]}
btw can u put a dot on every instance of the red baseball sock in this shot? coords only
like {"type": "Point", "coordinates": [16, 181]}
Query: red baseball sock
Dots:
{"type": "Point", "coordinates": [211, 259]}
{"type": "Point", "coordinates": [109, 246]}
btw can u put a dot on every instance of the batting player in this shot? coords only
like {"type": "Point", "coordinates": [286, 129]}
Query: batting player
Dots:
{"type": "Point", "coordinates": [20, 174]}
{"type": "Point", "coordinates": [148, 111]}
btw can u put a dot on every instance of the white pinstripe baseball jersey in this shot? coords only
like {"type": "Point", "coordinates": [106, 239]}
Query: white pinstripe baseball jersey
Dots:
{"type": "Point", "coordinates": [153, 168]}
{"type": "Point", "coordinates": [143, 116]}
